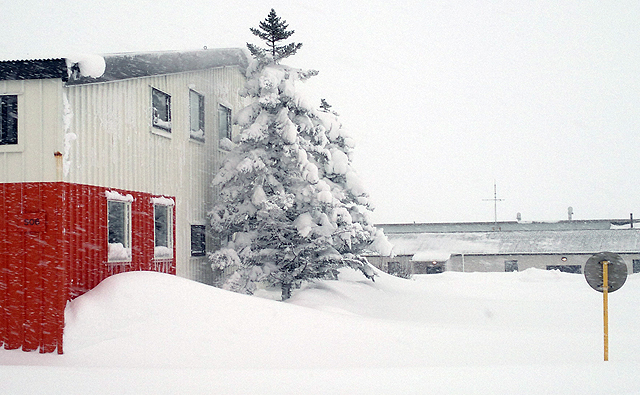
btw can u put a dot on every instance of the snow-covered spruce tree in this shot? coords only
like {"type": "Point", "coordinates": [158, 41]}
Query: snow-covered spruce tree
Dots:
{"type": "Point", "coordinates": [290, 207]}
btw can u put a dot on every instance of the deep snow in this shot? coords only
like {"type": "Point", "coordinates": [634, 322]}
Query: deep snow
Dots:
{"type": "Point", "coordinates": [533, 332]}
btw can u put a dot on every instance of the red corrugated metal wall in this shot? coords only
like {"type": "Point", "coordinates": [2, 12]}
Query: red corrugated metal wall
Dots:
{"type": "Point", "coordinates": [53, 248]}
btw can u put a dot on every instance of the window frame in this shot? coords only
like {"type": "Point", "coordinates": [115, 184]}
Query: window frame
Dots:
{"type": "Point", "coordinates": [126, 231]}
{"type": "Point", "coordinates": [511, 265]}
{"type": "Point", "coordinates": [200, 231]}
{"type": "Point", "coordinates": [4, 116]}
{"type": "Point", "coordinates": [156, 122]}
{"type": "Point", "coordinates": [224, 109]}
{"type": "Point", "coordinates": [170, 244]}
{"type": "Point", "coordinates": [195, 134]}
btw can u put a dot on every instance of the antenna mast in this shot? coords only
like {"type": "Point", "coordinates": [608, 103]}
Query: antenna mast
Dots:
{"type": "Point", "coordinates": [495, 205]}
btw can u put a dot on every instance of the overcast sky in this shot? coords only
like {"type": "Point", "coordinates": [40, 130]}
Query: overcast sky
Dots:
{"type": "Point", "coordinates": [442, 97]}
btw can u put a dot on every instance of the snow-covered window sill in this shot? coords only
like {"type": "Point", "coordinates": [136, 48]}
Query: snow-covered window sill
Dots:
{"type": "Point", "coordinates": [161, 132]}
{"type": "Point", "coordinates": [161, 252]}
{"type": "Point", "coordinates": [119, 254]}
{"type": "Point", "coordinates": [196, 139]}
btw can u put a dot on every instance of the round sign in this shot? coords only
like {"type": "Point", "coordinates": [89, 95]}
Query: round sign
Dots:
{"type": "Point", "coordinates": [616, 268]}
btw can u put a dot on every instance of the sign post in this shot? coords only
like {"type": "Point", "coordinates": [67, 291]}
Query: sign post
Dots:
{"type": "Point", "coordinates": [605, 272]}
{"type": "Point", "coordinates": [605, 306]}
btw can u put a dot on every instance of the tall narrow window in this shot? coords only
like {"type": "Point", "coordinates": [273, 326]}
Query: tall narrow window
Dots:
{"type": "Point", "coordinates": [163, 222]}
{"type": "Point", "coordinates": [196, 115]}
{"type": "Point", "coordinates": [8, 120]}
{"type": "Point", "coordinates": [198, 240]}
{"type": "Point", "coordinates": [119, 224]}
{"type": "Point", "coordinates": [224, 122]}
{"type": "Point", "coordinates": [161, 103]}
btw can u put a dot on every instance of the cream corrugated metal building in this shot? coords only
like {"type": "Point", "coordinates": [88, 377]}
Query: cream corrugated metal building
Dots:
{"type": "Point", "coordinates": [151, 123]}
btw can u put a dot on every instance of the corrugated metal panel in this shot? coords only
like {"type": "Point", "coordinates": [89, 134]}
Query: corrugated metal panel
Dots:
{"type": "Point", "coordinates": [118, 147]}
{"type": "Point", "coordinates": [39, 134]}
{"type": "Point", "coordinates": [54, 247]}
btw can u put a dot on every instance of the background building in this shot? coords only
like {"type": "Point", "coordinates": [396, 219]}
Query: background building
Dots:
{"type": "Point", "coordinates": [513, 246]}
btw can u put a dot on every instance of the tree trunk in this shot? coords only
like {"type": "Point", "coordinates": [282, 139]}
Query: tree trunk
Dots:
{"type": "Point", "coordinates": [286, 291]}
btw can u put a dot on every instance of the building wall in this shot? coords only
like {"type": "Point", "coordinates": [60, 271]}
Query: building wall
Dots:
{"type": "Point", "coordinates": [39, 131]}
{"type": "Point", "coordinates": [404, 265]}
{"type": "Point", "coordinates": [496, 263]}
{"type": "Point", "coordinates": [54, 247]}
{"type": "Point", "coordinates": [114, 144]}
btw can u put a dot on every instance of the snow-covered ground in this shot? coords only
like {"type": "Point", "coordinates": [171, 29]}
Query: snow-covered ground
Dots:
{"type": "Point", "coordinates": [533, 332]}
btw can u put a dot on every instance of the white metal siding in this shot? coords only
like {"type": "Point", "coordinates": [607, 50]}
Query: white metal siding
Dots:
{"type": "Point", "coordinates": [117, 147]}
{"type": "Point", "coordinates": [39, 131]}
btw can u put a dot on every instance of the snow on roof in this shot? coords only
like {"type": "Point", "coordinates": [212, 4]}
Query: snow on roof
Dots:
{"type": "Point", "coordinates": [519, 242]}
{"type": "Point", "coordinates": [504, 226]}
{"type": "Point", "coordinates": [134, 65]}
{"type": "Point", "coordinates": [123, 65]}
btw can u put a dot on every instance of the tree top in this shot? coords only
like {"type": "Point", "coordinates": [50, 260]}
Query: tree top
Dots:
{"type": "Point", "coordinates": [272, 31]}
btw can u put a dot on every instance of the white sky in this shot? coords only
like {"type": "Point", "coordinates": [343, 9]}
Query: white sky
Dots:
{"type": "Point", "coordinates": [442, 97]}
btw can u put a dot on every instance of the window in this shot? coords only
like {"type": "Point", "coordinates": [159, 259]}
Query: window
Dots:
{"type": "Point", "coordinates": [161, 103]}
{"type": "Point", "coordinates": [196, 115]}
{"type": "Point", "coordinates": [224, 122]}
{"type": "Point", "coordinates": [198, 240]}
{"type": "Point", "coordinates": [511, 266]}
{"type": "Point", "coordinates": [636, 265]}
{"type": "Point", "coordinates": [163, 223]}
{"type": "Point", "coordinates": [8, 120]}
{"type": "Point", "coordinates": [119, 224]}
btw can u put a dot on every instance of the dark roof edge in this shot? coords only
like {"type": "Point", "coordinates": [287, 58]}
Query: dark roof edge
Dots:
{"type": "Point", "coordinates": [121, 66]}
{"type": "Point", "coordinates": [33, 69]}
{"type": "Point", "coordinates": [145, 64]}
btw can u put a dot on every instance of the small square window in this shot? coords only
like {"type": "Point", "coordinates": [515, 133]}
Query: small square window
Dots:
{"type": "Point", "coordinates": [196, 115]}
{"type": "Point", "coordinates": [224, 122]}
{"type": "Point", "coordinates": [119, 225]}
{"type": "Point", "coordinates": [511, 266]}
{"type": "Point", "coordinates": [8, 120]}
{"type": "Point", "coordinates": [198, 240]}
{"type": "Point", "coordinates": [161, 117]}
{"type": "Point", "coordinates": [163, 223]}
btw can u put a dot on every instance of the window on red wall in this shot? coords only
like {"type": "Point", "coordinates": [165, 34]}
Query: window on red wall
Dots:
{"type": "Point", "coordinates": [119, 225]}
{"type": "Point", "coordinates": [163, 235]}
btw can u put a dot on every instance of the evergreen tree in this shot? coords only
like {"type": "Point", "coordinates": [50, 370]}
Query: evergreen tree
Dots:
{"type": "Point", "coordinates": [290, 206]}
{"type": "Point", "coordinates": [273, 30]}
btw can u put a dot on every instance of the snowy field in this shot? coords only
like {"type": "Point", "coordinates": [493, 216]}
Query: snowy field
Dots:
{"type": "Point", "coordinates": [533, 332]}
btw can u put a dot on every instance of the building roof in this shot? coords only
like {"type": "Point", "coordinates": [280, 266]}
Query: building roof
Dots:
{"type": "Point", "coordinates": [518, 242]}
{"type": "Point", "coordinates": [33, 69]}
{"type": "Point", "coordinates": [503, 226]}
{"type": "Point", "coordinates": [134, 65]}
{"type": "Point", "coordinates": [127, 65]}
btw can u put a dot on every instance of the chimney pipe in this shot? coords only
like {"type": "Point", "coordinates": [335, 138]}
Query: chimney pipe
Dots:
{"type": "Point", "coordinates": [58, 156]}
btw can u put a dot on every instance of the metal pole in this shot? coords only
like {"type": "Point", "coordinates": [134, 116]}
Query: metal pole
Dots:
{"type": "Point", "coordinates": [605, 302]}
